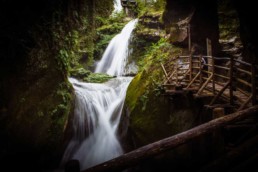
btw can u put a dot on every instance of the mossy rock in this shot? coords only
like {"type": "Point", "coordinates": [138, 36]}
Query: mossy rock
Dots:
{"type": "Point", "coordinates": [97, 78]}
{"type": "Point", "coordinates": [150, 114]}
{"type": "Point", "coordinates": [79, 73]}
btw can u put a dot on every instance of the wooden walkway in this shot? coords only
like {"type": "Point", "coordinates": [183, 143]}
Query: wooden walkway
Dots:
{"type": "Point", "coordinates": [229, 82]}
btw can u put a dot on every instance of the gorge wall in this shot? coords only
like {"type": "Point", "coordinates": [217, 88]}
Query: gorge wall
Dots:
{"type": "Point", "coordinates": [40, 41]}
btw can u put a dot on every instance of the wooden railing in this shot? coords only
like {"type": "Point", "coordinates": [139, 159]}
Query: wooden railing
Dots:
{"type": "Point", "coordinates": [222, 77]}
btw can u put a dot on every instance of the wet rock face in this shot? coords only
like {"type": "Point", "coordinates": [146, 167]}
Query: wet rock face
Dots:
{"type": "Point", "coordinates": [151, 27]}
{"type": "Point", "coordinates": [202, 17]}
{"type": "Point", "coordinates": [248, 28]}
{"type": "Point", "coordinates": [229, 28]}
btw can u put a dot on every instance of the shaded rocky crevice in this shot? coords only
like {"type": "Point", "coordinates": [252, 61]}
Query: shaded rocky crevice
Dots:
{"type": "Point", "coordinates": [203, 19]}
{"type": "Point", "coordinates": [229, 27]}
{"type": "Point", "coordinates": [150, 28]}
{"type": "Point", "coordinates": [36, 98]}
{"type": "Point", "coordinates": [248, 29]}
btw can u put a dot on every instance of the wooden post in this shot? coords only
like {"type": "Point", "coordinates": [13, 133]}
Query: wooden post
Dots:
{"type": "Point", "coordinates": [177, 61]}
{"type": "Point", "coordinates": [231, 81]}
{"type": "Point", "coordinates": [209, 53]}
{"type": "Point", "coordinates": [209, 47]}
{"type": "Point", "coordinates": [189, 38]}
{"type": "Point", "coordinates": [253, 84]}
{"type": "Point", "coordinates": [190, 67]}
{"type": "Point", "coordinates": [213, 75]}
{"type": "Point", "coordinates": [200, 69]}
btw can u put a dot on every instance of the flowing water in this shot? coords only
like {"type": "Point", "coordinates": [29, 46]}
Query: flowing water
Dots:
{"type": "Point", "coordinates": [98, 107]}
{"type": "Point", "coordinates": [117, 6]}
{"type": "Point", "coordinates": [114, 59]}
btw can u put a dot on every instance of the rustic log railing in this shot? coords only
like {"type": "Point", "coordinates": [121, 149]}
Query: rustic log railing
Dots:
{"type": "Point", "coordinates": [221, 77]}
{"type": "Point", "coordinates": [135, 157]}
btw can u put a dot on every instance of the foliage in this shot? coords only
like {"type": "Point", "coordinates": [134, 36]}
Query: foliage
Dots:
{"type": "Point", "coordinates": [150, 74]}
{"type": "Point", "coordinates": [111, 26]}
{"type": "Point", "coordinates": [228, 20]}
{"type": "Point", "coordinates": [156, 53]}
{"type": "Point", "coordinates": [79, 73]}
{"type": "Point", "coordinates": [97, 78]}
{"type": "Point", "coordinates": [152, 6]}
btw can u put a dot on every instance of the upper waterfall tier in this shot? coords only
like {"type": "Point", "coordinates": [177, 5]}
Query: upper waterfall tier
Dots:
{"type": "Point", "coordinates": [114, 59]}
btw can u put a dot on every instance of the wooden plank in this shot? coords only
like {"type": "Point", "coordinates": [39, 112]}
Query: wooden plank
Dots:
{"type": "Point", "coordinates": [209, 65]}
{"type": "Point", "coordinates": [190, 67]}
{"type": "Point", "coordinates": [213, 77]}
{"type": "Point", "coordinates": [205, 71]}
{"type": "Point", "coordinates": [219, 94]}
{"type": "Point", "coordinates": [242, 62]}
{"type": "Point", "coordinates": [245, 103]}
{"type": "Point", "coordinates": [243, 71]}
{"type": "Point", "coordinates": [242, 91]}
{"type": "Point", "coordinates": [221, 67]}
{"type": "Point", "coordinates": [204, 85]}
{"type": "Point", "coordinates": [189, 38]}
{"type": "Point", "coordinates": [221, 58]}
{"type": "Point", "coordinates": [243, 82]}
{"type": "Point", "coordinates": [208, 47]}
{"type": "Point", "coordinates": [209, 57]}
{"type": "Point", "coordinates": [135, 157]}
{"type": "Point", "coordinates": [219, 106]}
{"type": "Point", "coordinates": [221, 76]}
{"type": "Point", "coordinates": [164, 70]}
{"type": "Point", "coordinates": [196, 76]}
{"type": "Point", "coordinates": [231, 101]}
{"type": "Point", "coordinates": [253, 69]}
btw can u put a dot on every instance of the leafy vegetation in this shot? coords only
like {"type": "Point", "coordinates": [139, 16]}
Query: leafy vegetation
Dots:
{"type": "Point", "coordinates": [109, 28]}
{"type": "Point", "coordinates": [152, 7]}
{"type": "Point", "coordinates": [97, 78]}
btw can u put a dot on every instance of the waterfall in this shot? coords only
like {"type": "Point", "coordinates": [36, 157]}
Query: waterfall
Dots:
{"type": "Point", "coordinates": [114, 58]}
{"type": "Point", "coordinates": [117, 6]}
{"type": "Point", "coordinates": [98, 108]}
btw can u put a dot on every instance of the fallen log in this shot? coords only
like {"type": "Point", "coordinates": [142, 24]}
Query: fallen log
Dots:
{"type": "Point", "coordinates": [134, 157]}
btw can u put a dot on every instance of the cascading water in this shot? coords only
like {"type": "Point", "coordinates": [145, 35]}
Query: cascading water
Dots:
{"type": "Point", "coordinates": [98, 107]}
{"type": "Point", "coordinates": [114, 59]}
{"type": "Point", "coordinates": [117, 6]}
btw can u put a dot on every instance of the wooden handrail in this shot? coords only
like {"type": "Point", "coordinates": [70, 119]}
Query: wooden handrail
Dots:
{"type": "Point", "coordinates": [219, 94]}
{"type": "Point", "coordinates": [243, 82]}
{"type": "Point", "coordinates": [191, 68]}
{"type": "Point", "coordinates": [221, 76]}
{"type": "Point", "coordinates": [243, 71]}
{"type": "Point", "coordinates": [221, 67]}
{"type": "Point", "coordinates": [204, 85]}
{"type": "Point", "coordinates": [221, 58]}
{"type": "Point", "coordinates": [242, 62]}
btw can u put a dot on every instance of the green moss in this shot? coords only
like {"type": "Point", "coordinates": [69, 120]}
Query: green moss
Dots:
{"type": "Point", "coordinates": [228, 20]}
{"type": "Point", "coordinates": [150, 116]}
{"type": "Point", "coordinates": [110, 27]}
{"type": "Point", "coordinates": [97, 78]}
{"type": "Point", "coordinates": [42, 114]}
{"type": "Point", "coordinates": [79, 73]}
{"type": "Point", "coordinates": [133, 94]}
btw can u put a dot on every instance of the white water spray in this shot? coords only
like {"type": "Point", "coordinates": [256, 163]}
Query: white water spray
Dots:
{"type": "Point", "coordinates": [98, 108]}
